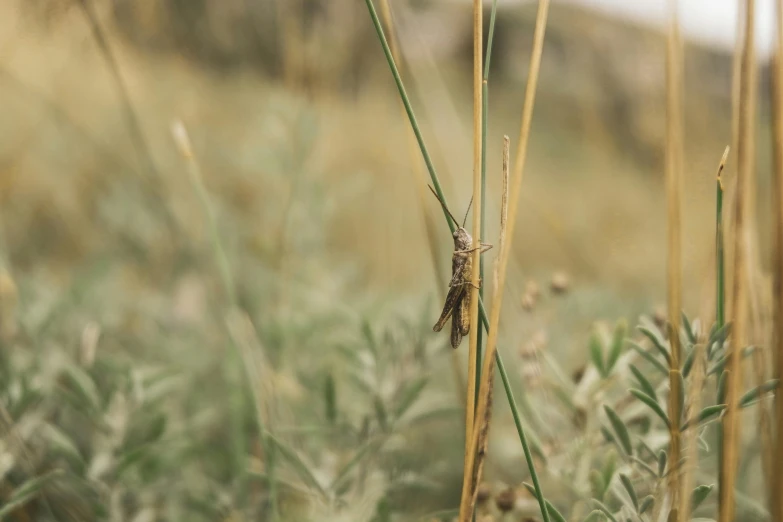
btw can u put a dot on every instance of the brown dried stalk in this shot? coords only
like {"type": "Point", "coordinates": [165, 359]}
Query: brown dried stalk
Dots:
{"type": "Point", "coordinates": [731, 427]}
{"type": "Point", "coordinates": [674, 269]}
{"type": "Point", "coordinates": [776, 495]}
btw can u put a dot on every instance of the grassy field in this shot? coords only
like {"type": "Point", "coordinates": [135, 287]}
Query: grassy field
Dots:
{"type": "Point", "coordinates": [220, 268]}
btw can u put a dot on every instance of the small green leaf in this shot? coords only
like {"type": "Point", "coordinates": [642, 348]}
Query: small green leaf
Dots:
{"type": "Point", "coordinates": [330, 399]}
{"type": "Point", "coordinates": [756, 393]}
{"type": "Point", "coordinates": [699, 495]}
{"type": "Point", "coordinates": [616, 348]}
{"type": "Point", "coordinates": [646, 504]}
{"type": "Point", "coordinates": [369, 338]}
{"type": "Point", "coordinates": [600, 505]}
{"type": "Point", "coordinates": [645, 467]}
{"type": "Point", "coordinates": [83, 386]}
{"type": "Point", "coordinates": [553, 512]}
{"type": "Point", "coordinates": [652, 403]}
{"type": "Point", "coordinates": [706, 414]}
{"type": "Point", "coordinates": [720, 364]}
{"type": "Point", "coordinates": [688, 364]}
{"type": "Point", "coordinates": [296, 462]}
{"type": "Point", "coordinates": [658, 342]}
{"type": "Point", "coordinates": [27, 491]}
{"type": "Point", "coordinates": [380, 413]}
{"type": "Point", "coordinates": [409, 396]}
{"type": "Point", "coordinates": [596, 355]}
{"type": "Point", "coordinates": [681, 397]}
{"type": "Point", "coordinates": [344, 473]}
{"type": "Point", "coordinates": [645, 384]}
{"type": "Point", "coordinates": [610, 466]}
{"type": "Point", "coordinates": [597, 485]}
{"type": "Point", "coordinates": [717, 338]}
{"type": "Point", "coordinates": [596, 515]}
{"type": "Point", "coordinates": [630, 489]}
{"type": "Point", "coordinates": [63, 445]}
{"type": "Point", "coordinates": [722, 386]}
{"type": "Point", "coordinates": [650, 358]}
{"type": "Point", "coordinates": [686, 325]}
{"type": "Point", "coordinates": [620, 430]}
{"type": "Point", "coordinates": [661, 463]}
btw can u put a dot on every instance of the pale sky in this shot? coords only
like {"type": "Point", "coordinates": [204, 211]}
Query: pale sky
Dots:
{"type": "Point", "coordinates": [709, 21]}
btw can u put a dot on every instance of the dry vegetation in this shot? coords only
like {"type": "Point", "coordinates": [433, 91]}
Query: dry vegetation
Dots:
{"type": "Point", "coordinates": [220, 266]}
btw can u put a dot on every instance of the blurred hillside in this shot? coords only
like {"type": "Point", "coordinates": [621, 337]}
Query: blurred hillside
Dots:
{"type": "Point", "coordinates": [229, 67]}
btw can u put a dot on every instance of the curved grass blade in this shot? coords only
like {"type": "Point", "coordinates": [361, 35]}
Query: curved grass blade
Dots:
{"type": "Point", "coordinates": [645, 384]}
{"type": "Point", "coordinates": [620, 430]}
{"type": "Point", "coordinates": [652, 403]}
{"type": "Point", "coordinates": [650, 358]}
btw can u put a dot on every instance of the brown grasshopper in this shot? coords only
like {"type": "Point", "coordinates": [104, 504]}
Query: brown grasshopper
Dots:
{"type": "Point", "coordinates": [457, 304]}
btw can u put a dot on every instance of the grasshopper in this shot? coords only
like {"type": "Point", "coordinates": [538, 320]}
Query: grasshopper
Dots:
{"type": "Point", "coordinates": [457, 305]}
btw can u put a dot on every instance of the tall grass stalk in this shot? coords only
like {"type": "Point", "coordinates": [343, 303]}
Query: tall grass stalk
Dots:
{"type": "Point", "coordinates": [235, 366]}
{"type": "Point", "coordinates": [535, 63]}
{"type": "Point", "coordinates": [674, 223]}
{"type": "Point", "coordinates": [470, 409]}
{"type": "Point", "coordinates": [720, 258]}
{"type": "Point", "coordinates": [776, 95]}
{"type": "Point", "coordinates": [484, 124]}
{"type": "Point", "coordinates": [504, 255]}
{"type": "Point", "coordinates": [745, 151]}
{"type": "Point", "coordinates": [478, 441]}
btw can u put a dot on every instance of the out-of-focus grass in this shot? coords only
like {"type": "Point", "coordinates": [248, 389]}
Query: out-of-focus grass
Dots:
{"type": "Point", "coordinates": [313, 202]}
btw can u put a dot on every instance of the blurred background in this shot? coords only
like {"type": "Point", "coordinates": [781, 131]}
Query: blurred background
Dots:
{"type": "Point", "coordinates": [281, 280]}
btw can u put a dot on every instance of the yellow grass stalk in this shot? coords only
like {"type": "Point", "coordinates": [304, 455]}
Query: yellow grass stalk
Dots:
{"type": "Point", "coordinates": [776, 496]}
{"type": "Point", "coordinates": [503, 256]}
{"type": "Point", "coordinates": [478, 31]}
{"type": "Point", "coordinates": [480, 435]}
{"type": "Point", "coordinates": [690, 436]}
{"type": "Point", "coordinates": [745, 151]}
{"type": "Point", "coordinates": [674, 223]}
{"type": "Point", "coordinates": [420, 183]}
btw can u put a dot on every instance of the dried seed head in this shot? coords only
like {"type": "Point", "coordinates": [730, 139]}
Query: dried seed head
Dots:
{"type": "Point", "coordinates": [528, 302]}
{"type": "Point", "coordinates": [483, 493]}
{"type": "Point", "coordinates": [578, 374]}
{"type": "Point", "coordinates": [506, 500]}
{"type": "Point", "coordinates": [89, 345]}
{"type": "Point", "coordinates": [559, 283]}
{"type": "Point", "coordinates": [660, 317]}
{"type": "Point", "coordinates": [531, 288]}
{"type": "Point", "coordinates": [534, 346]}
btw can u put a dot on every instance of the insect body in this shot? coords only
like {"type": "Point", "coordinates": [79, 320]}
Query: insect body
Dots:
{"type": "Point", "coordinates": [457, 305]}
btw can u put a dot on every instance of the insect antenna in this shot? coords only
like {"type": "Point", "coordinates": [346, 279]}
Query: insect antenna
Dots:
{"type": "Point", "coordinates": [466, 212]}
{"type": "Point", "coordinates": [443, 204]}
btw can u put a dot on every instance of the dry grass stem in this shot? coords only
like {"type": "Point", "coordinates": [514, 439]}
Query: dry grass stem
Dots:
{"type": "Point", "coordinates": [674, 230]}
{"type": "Point", "coordinates": [478, 29]}
{"type": "Point", "coordinates": [690, 436]}
{"type": "Point", "coordinates": [745, 151]}
{"type": "Point", "coordinates": [503, 254]}
{"type": "Point", "coordinates": [776, 494]}
{"type": "Point", "coordinates": [480, 434]}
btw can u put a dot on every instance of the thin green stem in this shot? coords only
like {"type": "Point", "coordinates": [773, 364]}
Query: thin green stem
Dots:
{"type": "Point", "coordinates": [484, 118]}
{"type": "Point", "coordinates": [720, 300]}
{"type": "Point", "coordinates": [720, 290]}
{"type": "Point", "coordinates": [482, 312]}
{"type": "Point", "coordinates": [409, 110]}
{"type": "Point", "coordinates": [518, 422]}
